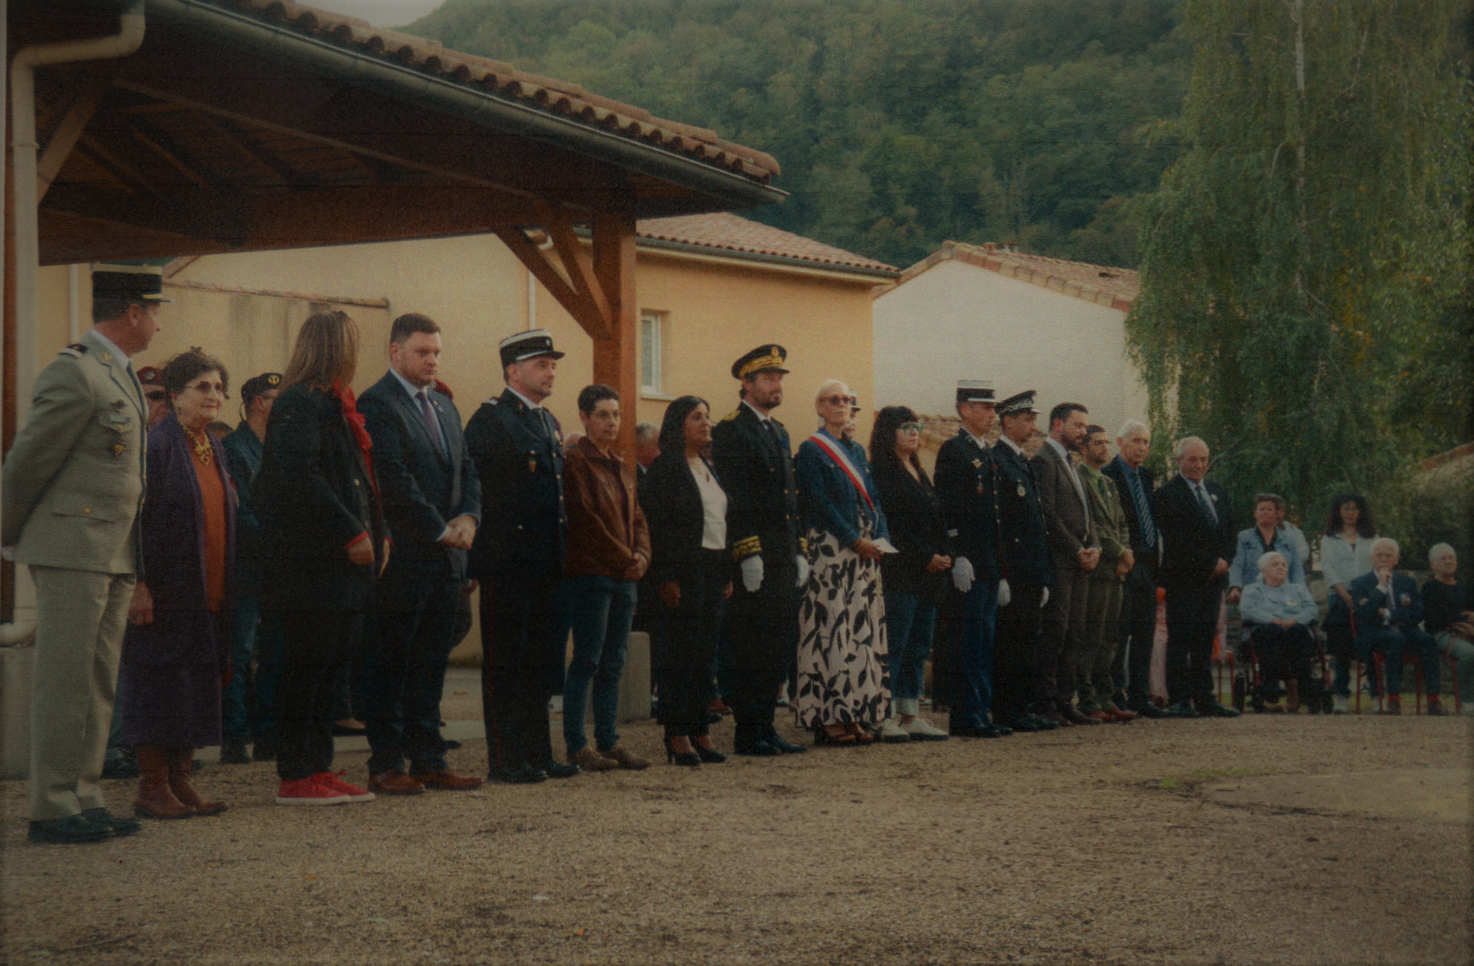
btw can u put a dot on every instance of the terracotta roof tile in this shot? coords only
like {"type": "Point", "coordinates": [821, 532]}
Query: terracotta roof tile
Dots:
{"type": "Point", "coordinates": [1115, 287]}
{"type": "Point", "coordinates": [503, 80]}
{"type": "Point", "coordinates": [723, 230]}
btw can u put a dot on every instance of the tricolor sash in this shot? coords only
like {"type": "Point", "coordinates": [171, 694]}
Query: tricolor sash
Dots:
{"type": "Point", "coordinates": [842, 459]}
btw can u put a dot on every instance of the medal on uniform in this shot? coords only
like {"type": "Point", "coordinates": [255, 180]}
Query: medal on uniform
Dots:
{"type": "Point", "coordinates": [1021, 493]}
{"type": "Point", "coordinates": [532, 464]}
{"type": "Point", "coordinates": [118, 449]}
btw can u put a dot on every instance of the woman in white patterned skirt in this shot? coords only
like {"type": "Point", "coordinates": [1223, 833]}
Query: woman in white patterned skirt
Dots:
{"type": "Point", "coordinates": [842, 687]}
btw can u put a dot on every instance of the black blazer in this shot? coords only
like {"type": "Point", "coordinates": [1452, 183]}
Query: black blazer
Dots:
{"type": "Point", "coordinates": [1115, 469]}
{"type": "Point", "coordinates": [1026, 558]}
{"type": "Point", "coordinates": [918, 530]}
{"type": "Point", "coordinates": [518, 452]}
{"type": "Point", "coordinates": [422, 485]}
{"type": "Point", "coordinates": [756, 470]}
{"type": "Point", "coordinates": [673, 510]}
{"type": "Point", "coordinates": [1191, 544]}
{"type": "Point", "coordinates": [314, 496]}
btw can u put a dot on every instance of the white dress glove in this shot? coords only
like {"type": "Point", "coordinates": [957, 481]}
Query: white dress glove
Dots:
{"type": "Point", "coordinates": [1045, 599]}
{"type": "Point", "coordinates": [1004, 594]}
{"type": "Point", "coordinates": [803, 569]}
{"type": "Point", "coordinates": [962, 574]}
{"type": "Point", "coordinates": [752, 573]}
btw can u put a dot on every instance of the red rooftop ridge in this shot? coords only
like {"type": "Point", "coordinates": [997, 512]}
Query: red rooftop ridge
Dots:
{"type": "Point", "coordinates": [723, 230]}
{"type": "Point", "coordinates": [1114, 287]}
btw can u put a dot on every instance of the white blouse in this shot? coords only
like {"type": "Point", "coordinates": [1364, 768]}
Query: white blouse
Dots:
{"type": "Point", "coordinates": [1342, 562]}
{"type": "Point", "coordinates": [713, 505]}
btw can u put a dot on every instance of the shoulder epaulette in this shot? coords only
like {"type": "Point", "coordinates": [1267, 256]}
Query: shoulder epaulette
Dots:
{"type": "Point", "coordinates": [776, 423]}
{"type": "Point", "coordinates": [76, 349]}
{"type": "Point", "coordinates": [730, 416]}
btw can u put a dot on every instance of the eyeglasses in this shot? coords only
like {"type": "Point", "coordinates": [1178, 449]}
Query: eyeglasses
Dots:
{"type": "Point", "coordinates": [909, 427]}
{"type": "Point", "coordinates": [838, 400]}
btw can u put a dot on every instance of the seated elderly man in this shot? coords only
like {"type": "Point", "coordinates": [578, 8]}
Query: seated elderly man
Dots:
{"type": "Point", "coordinates": [1388, 611]}
{"type": "Point", "coordinates": [1281, 612]}
{"type": "Point", "coordinates": [1448, 614]}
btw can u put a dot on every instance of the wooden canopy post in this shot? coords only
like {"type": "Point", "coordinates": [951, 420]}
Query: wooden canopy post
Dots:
{"type": "Point", "coordinates": [614, 353]}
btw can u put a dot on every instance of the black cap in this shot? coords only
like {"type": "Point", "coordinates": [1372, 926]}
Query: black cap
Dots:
{"type": "Point", "coordinates": [527, 345]}
{"type": "Point", "coordinates": [256, 385]}
{"type": "Point", "coordinates": [765, 358]}
{"type": "Point", "coordinates": [1021, 403]}
{"type": "Point", "coordinates": [975, 390]}
{"type": "Point", "coordinates": [151, 376]}
{"type": "Point", "coordinates": [129, 283]}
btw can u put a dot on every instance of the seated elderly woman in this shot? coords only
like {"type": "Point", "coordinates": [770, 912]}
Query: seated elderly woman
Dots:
{"type": "Point", "coordinates": [1281, 611]}
{"type": "Point", "coordinates": [1448, 614]}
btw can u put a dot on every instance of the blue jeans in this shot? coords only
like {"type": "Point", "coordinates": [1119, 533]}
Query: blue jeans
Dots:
{"type": "Point", "coordinates": [599, 611]}
{"type": "Point", "coordinates": [909, 634]}
{"type": "Point", "coordinates": [250, 696]}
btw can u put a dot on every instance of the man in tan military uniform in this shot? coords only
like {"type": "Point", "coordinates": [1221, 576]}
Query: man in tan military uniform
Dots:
{"type": "Point", "coordinates": [72, 492]}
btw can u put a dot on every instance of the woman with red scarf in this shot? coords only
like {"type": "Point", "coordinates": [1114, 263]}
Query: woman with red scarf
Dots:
{"type": "Point", "coordinates": [325, 543]}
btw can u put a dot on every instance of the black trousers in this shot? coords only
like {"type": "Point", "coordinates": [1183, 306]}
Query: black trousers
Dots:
{"type": "Point", "coordinates": [1017, 688]}
{"type": "Point", "coordinates": [1062, 633]}
{"type": "Point", "coordinates": [404, 667]}
{"type": "Point", "coordinates": [316, 646]}
{"type": "Point", "coordinates": [690, 645]}
{"type": "Point", "coordinates": [764, 639]}
{"type": "Point", "coordinates": [1132, 667]}
{"type": "Point", "coordinates": [1192, 619]}
{"type": "Point", "coordinates": [1283, 652]}
{"type": "Point", "coordinates": [520, 655]}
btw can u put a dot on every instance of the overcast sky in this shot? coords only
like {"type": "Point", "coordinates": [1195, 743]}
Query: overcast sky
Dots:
{"type": "Point", "coordinates": [380, 13]}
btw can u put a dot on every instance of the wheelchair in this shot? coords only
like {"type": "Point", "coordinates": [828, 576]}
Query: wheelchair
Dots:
{"type": "Point", "coordinates": [1252, 690]}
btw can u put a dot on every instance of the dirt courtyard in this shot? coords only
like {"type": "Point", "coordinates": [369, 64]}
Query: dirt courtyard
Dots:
{"type": "Point", "coordinates": [1268, 839]}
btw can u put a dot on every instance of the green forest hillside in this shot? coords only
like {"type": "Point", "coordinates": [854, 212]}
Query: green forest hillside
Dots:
{"type": "Point", "coordinates": [898, 123]}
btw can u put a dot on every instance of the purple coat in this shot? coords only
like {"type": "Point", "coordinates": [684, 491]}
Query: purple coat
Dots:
{"type": "Point", "coordinates": [169, 679]}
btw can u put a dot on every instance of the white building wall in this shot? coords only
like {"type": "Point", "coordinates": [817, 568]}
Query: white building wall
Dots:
{"type": "Point", "coordinates": [957, 321]}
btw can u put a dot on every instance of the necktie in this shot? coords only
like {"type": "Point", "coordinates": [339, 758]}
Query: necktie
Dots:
{"type": "Point", "coordinates": [1143, 512]}
{"type": "Point", "coordinates": [432, 425]}
{"type": "Point", "coordinates": [1207, 503]}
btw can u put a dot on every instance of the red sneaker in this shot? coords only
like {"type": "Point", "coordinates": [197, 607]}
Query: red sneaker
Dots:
{"type": "Point", "coordinates": [352, 793]}
{"type": "Point", "coordinates": [308, 791]}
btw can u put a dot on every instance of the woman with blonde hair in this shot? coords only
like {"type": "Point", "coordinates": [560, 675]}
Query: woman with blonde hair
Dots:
{"type": "Point", "coordinates": [323, 535]}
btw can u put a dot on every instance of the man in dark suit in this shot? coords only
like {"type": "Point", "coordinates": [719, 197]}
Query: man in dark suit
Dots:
{"type": "Point", "coordinates": [1198, 536]}
{"type": "Point", "coordinates": [1074, 552]}
{"type": "Point", "coordinates": [73, 490]}
{"type": "Point", "coordinates": [432, 502]}
{"type": "Point", "coordinates": [751, 454]}
{"type": "Point", "coordinates": [518, 558]}
{"type": "Point", "coordinates": [1017, 690]}
{"type": "Point", "coordinates": [1132, 667]}
{"type": "Point", "coordinates": [1389, 611]}
{"type": "Point", "coordinates": [967, 489]}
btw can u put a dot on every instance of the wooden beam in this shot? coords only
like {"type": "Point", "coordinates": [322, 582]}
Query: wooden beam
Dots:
{"type": "Point", "coordinates": [67, 131]}
{"type": "Point", "coordinates": [615, 360]}
{"type": "Point", "coordinates": [579, 267]}
{"type": "Point", "coordinates": [184, 210]}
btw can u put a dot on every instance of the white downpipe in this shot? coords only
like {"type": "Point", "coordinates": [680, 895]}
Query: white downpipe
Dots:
{"type": "Point", "coordinates": [23, 150]}
{"type": "Point", "coordinates": [74, 302]}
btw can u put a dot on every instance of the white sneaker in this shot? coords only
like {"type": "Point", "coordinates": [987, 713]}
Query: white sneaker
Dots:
{"type": "Point", "coordinates": [921, 729]}
{"type": "Point", "coordinates": [890, 731]}
{"type": "Point", "coordinates": [555, 704]}
{"type": "Point", "coordinates": [1339, 705]}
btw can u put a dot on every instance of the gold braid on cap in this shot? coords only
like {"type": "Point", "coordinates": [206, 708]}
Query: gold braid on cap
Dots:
{"type": "Point", "coordinates": [770, 361]}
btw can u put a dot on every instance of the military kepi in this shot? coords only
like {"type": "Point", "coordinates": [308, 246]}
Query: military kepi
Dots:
{"type": "Point", "coordinates": [527, 345]}
{"type": "Point", "coordinates": [765, 358]}
{"type": "Point", "coordinates": [1019, 403]}
{"type": "Point", "coordinates": [974, 390]}
{"type": "Point", "coordinates": [129, 283]}
{"type": "Point", "coordinates": [256, 385]}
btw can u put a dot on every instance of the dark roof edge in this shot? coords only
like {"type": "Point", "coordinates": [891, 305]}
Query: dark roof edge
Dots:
{"type": "Point", "coordinates": [691, 248]}
{"type": "Point", "coordinates": [481, 107]}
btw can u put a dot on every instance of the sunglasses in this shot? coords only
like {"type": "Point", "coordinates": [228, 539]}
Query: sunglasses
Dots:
{"type": "Point", "coordinates": [909, 427]}
{"type": "Point", "coordinates": [838, 400]}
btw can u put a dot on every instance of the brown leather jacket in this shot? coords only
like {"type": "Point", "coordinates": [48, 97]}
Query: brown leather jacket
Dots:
{"type": "Point", "coordinates": [606, 529]}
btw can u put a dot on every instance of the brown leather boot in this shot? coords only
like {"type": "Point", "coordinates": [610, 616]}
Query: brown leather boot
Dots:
{"type": "Point", "coordinates": [155, 798]}
{"type": "Point", "coordinates": [180, 765]}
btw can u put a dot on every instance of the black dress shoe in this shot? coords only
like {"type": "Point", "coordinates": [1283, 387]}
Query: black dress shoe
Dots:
{"type": "Point", "coordinates": [786, 747]}
{"type": "Point", "coordinates": [755, 748]}
{"type": "Point", "coordinates": [971, 731]}
{"type": "Point", "coordinates": [73, 828]}
{"type": "Point", "coordinates": [518, 775]}
{"type": "Point", "coordinates": [119, 826]}
{"type": "Point", "coordinates": [558, 769]}
{"type": "Point", "coordinates": [997, 731]}
{"type": "Point", "coordinates": [120, 766]}
{"type": "Point", "coordinates": [1147, 709]}
{"type": "Point", "coordinates": [1023, 723]}
{"type": "Point", "coordinates": [450, 744]}
{"type": "Point", "coordinates": [709, 756]}
{"type": "Point", "coordinates": [1042, 723]}
{"type": "Point", "coordinates": [1212, 709]}
{"type": "Point", "coordinates": [234, 753]}
{"type": "Point", "coordinates": [1182, 709]}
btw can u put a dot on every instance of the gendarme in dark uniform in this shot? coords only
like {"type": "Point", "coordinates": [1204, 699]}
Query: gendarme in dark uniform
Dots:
{"type": "Point", "coordinates": [967, 484]}
{"type": "Point", "coordinates": [1017, 686]}
{"type": "Point", "coordinates": [751, 453]}
{"type": "Point", "coordinates": [517, 447]}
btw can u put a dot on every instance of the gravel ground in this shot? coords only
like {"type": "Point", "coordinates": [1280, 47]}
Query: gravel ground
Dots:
{"type": "Point", "coordinates": [1267, 839]}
